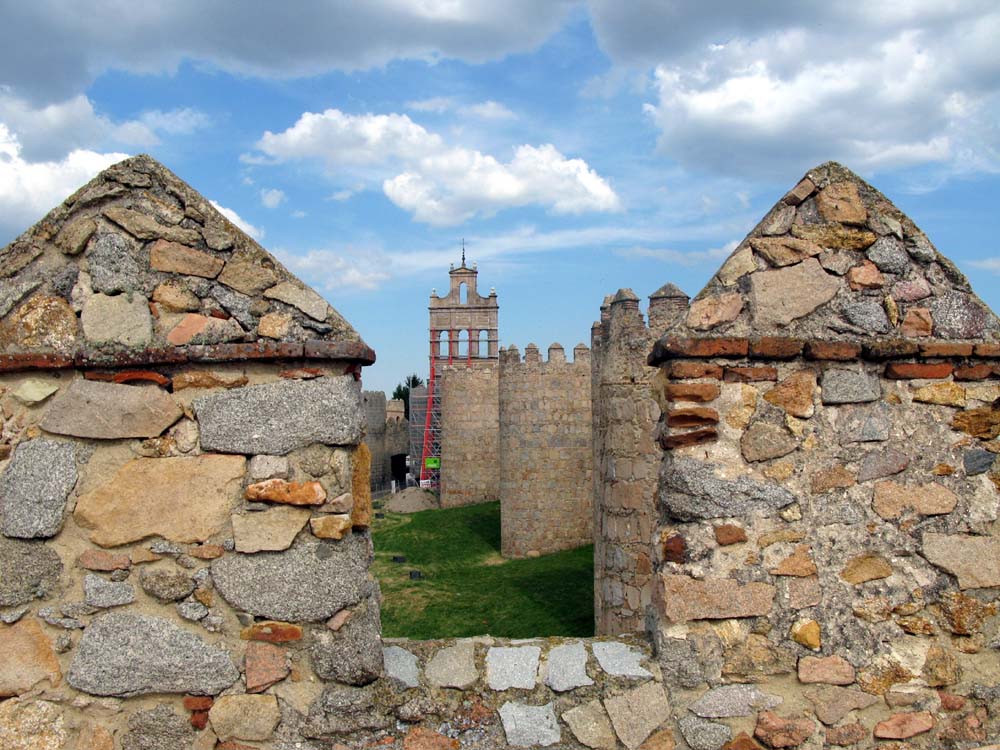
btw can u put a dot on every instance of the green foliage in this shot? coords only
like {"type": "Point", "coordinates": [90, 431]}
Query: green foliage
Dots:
{"type": "Point", "coordinates": [402, 391]}
{"type": "Point", "coordinates": [468, 588]}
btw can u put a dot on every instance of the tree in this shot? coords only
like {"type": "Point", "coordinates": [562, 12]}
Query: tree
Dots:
{"type": "Point", "coordinates": [403, 391]}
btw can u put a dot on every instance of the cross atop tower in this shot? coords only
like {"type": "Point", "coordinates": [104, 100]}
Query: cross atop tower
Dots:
{"type": "Point", "coordinates": [463, 252]}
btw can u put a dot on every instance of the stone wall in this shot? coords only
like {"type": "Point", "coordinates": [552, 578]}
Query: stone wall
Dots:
{"type": "Point", "coordinates": [827, 550]}
{"type": "Point", "coordinates": [626, 457]}
{"type": "Point", "coordinates": [385, 436]}
{"type": "Point", "coordinates": [546, 454]}
{"type": "Point", "coordinates": [470, 464]}
{"type": "Point", "coordinates": [184, 549]}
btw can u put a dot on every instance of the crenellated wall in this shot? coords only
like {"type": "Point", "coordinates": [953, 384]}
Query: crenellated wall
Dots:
{"type": "Point", "coordinates": [470, 464]}
{"type": "Point", "coordinates": [626, 457]}
{"type": "Point", "coordinates": [546, 452]}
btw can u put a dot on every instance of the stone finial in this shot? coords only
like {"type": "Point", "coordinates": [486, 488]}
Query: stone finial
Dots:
{"type": "Point", "coordinates": [557, 353]}
{"type": "Point", "coordinates": [513, 354]}
{"type": "Point", "coordinates": [626, 296]}
{"type": "Point", "coordinates": [669, 291]}
{"type": "Point", "coordinates": [531, 353]}
{"type": "Point", "coordinates": [581, 353]}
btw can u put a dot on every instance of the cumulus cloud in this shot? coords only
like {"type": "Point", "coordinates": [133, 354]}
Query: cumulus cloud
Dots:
{"type": "Point", "coordinates": [52, 131]}
{"type": "Point", "coordinates": [256, 232]}
{"type": "Point", "coordinates": [763, 89]}
{"type": "Point", "coordinates": [441, 184]}
{"type": "Point", "coordinates": [29, 190]}
{"type": "Point", "coordinates": [331, 270]}
{"type": "Point", "coordinates": [272, 197]}
{"type": "Point", "coordinates": [258, 38]}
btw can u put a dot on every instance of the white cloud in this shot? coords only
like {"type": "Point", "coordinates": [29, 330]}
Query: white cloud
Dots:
{"type": "Point", "coordinates": [341, 195]}
{"type": "Point", "coordinates": [440, 184]}
{"type": "Point", "coordinates": [763, 90]}
{"type": "Point", "coordinates": [491, 110]}
{"type": "Point", "coordinates": [52, 131]}
{"type": "Point", "coordinates": [299, 214]}
{"type": "Point", "coordinates": [272, 197]}
{"type": "Point", "coordinates": [987, 264]}
{"type": "Point", "coordinates": [262, 39]}
{"type": "Point", "coordinates": [338, 269]}
{"type": "Point", "coordinates": [29, 190]}
{"type": "Point", "coordinates": [437, 104]}
{"type": "Point", "coordinates": [256, 232]}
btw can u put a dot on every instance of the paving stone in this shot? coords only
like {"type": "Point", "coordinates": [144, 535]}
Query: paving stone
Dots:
{"type": "Point", "coordinates": [32, 725]}
{"type": "Point", "coordinates": [515, 667]}
{"type": "Point", "coordinates": [567, 667]}
{"type": "Point", "coordinates": [590, 725]}
{"type": "Point", "coordinates": [28, 659]}
{"type": "Point", "coordinates": [785, 294]}
{"type": "Point", "coordinates": [113, 264]}
{"type": "Point", "coordinates": [276, 418]}
{"type": "Point", "coordinates": [453, 666]}
{"type": "Point", "coordinates": [619, 659]}
{"type": "Point", "coordinates": [353, 654]}
{"type": "Point", "coordinates": [526, 726]}
{"type": "Point", "coordinates": [28, 570]}
{"type": "Point", "coordinates": [702, 734]}
{"type": "Point", "coordinates": [122, 320]}
{"type": "Point", "coordinates": [974, 560]}
{"type": "Point", "coordinates": [401, 666]}
{"type": "Point", "coordinates": [185, 499]}
{"type": "Point", "coordinates": [110, 411]}
{"type": "Point", "coordinates": [158, 728]}
{"type": "Point", "coordinates": [681, 598]}
{"type": "Point", "coordinates": [272, 530]}
{"type": "Point", "coordinates": [100, 592]}
{"type": "Point", "coordinates": [245, 717]}
{"type": "Point", "coordinates": [301, 297]}
{"type": "Point", "coordinates": [33, 391]}
{"type": "Point", "coordinates": [636, 713]}
{"type": "Point", "coordinates": [832, 703]}
{"type": "Point", "coordinates": [865, 423]}
{"type": "Point", "coordinates": [692, 491]}
{"type": "Point", "coordinates": [308, 582]}
{"type": "Point", "coordinates": [34, 488]}
{"type": "Point", "coordinates": [124, 655]}
{"type": "Point", "coordinates": [733, 700]}
{"type": "Point", "coordinates": [849, 386]}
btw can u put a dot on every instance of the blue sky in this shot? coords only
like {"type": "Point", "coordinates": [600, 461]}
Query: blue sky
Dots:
{"type": "Point", "coordinates": [577, 147]}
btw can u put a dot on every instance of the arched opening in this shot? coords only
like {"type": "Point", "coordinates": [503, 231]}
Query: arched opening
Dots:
{"type": "Point", "coordinates": [463, 293]}
{"type": "Point", "coordinates": [484, 344]}
{"type": "Point", "coordinates": [443, 344]}
{"type": "Point", "coordinates": [463, 343]}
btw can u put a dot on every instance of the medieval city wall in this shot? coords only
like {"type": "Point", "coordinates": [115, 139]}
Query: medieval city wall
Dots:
{"type": "Point", "coordinates": [827, 554]}
{"type": "Point", "coordinates": [546, 455]}
{"type": "Point", "coordinates": [386, 435]}
{"type": "Point", "coordinates": [626, 457]}
{"type": "Point", "coordinates": [470, 435]}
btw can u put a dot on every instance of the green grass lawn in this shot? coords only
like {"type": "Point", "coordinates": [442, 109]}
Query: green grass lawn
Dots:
{"type": "Point", "coordinates": [468, 588]}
